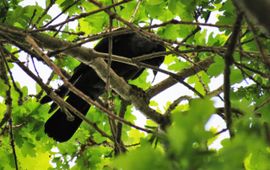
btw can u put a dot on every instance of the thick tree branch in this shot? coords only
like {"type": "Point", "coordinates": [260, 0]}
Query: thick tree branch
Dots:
{"type": "Point", "coordinates": [228, 62]}
{"type": "Point", "coordinates": [170, 81]}
{"type": "Point", "coordinates": [257, 11]}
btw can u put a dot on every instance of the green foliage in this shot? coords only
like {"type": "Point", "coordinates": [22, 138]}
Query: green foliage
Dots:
{"type": "Point", "coordinates": [143, 158]}
{"type": "Point", "coordinates": [183, 149]}
{"type": "Point", "coordinates": [141, 81]}
{"type": "Point", "coordinates": [174, 64]}
{"type": "Point", "coordinates": [3, 88]}
{"type": "Point", "coordinates": [228, 15]}
{"type": "Point", "coordinates": [217, 68]}
{"type": "Point", "coordinates": [183, 144]}
{"type": "Point", "coordinates": [21, 16]}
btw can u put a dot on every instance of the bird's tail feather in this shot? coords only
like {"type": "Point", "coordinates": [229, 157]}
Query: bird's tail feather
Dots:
{"type": "Point", "coordinates": [61, 129]}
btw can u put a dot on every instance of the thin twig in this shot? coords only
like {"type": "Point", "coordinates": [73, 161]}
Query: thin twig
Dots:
{"type": "Point", "coordinates": [220, 132]}
{"type": "Point", "coordinates": [109, 101]}
{"type": "Point", "coordinates": [262, 104]}
{"type": "Point", "coordinates": [47, 83]}
{"type": "Point", "coordinates": [135, 11]}
{"type": "Point", "coordinates": [59, 29]}
{"type": "Point", "coordinates": [8, 101]}
{"type": "Point", "coordinates": [119, 126]}
{"type": "Point", "coordinates": [267, 132]}
{"type": "Point", "coordinates": [62, 12]}
{"type": "Point", "coordinates": [17, 89]}
{"type": "Point", "coordinates": [154, 90]}
{"type": "Point", "coordinates": [82, 15]}
{"type": "Point", "coordinates": [45, 11]}
{"type": "Point", "coordinates": [32, 17]}
{"type": "Point", "coordinates": [175, 103]}
{"type": "Point", "coordinates": [261, 47]}
{"type": "Point", "coordinates": [12, 142]}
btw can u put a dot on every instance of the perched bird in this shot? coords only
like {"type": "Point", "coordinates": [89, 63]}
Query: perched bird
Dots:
{"type": "Point", "coordinates": [86, 79]}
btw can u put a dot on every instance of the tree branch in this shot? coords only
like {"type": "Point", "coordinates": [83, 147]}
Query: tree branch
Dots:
{"type": "Point", "coordinates": [228, 62]}
{"type": "Point", "coordinates": [170, 81]}
{"type": "Point", "coordinates": [8, 102]}
{"type": "Point", "coordinates": [257, 11]}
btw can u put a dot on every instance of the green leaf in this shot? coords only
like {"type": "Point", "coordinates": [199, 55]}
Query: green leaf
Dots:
{"type": "Point", "coordinates": [208, 108]}
{"type": "Point", "coordinates": [175, 6]}
{"type": "Point", "coordinates": [135, 136]}
{"type": "Point", "coordinates": [28, 149]}
{"type": "Point", "coordinates": [228, 15]}
{"type": "Point", "coordinates": [236, 76]}
{"type": "Point", "coordinates": [94, 23]}
{"type": "Point", "coordinates": [154, 2]}
{"type": "Point", "coordinates": [198, 80]}
{"type": "Point", "coordinates": [200, 37]}
{"type": "Point", "coordinates": [98, 138]}
{"type": "Point", "coordinates": [170, 32]}
{"type": "Point", "coordinates": [143, 158]}
{"type": "Point", "coordinates": [188, 122]}
{"type": "Point", "coordinates": [177, 66]}
{"type": "Point", "coordinates": [177, 143]}
{"type": "Point", "coordinates": [3, 88]}
{"type": "Point", "coordinates": [31, 162]}
{"type": "Point", "coordinates": [258, 159]}
{"type": "Point", "coordinates": [182, 8]}
{"type": "Point", "coordinates": [155, 9]}
{"type": "Point", "coordinates": [141, 81]}
{"type": "Point", "coordinates": [217, 67]}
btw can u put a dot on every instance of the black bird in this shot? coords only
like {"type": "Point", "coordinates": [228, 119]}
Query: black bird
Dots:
{"type": "Point", "coordinates": [85, 78]}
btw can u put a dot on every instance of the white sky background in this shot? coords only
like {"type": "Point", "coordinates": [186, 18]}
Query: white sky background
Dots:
{"type": "Point", "coordinates": [169, 94]}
